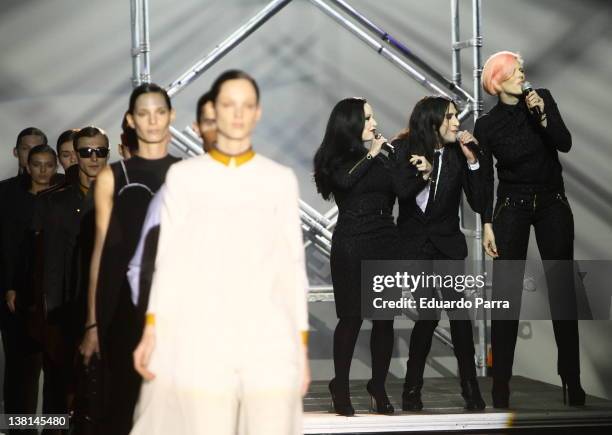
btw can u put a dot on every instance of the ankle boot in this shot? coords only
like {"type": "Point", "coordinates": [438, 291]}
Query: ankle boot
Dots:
{"type": "Point", "coordinates": [379, 401]}
{"type": "Point", "coordinates": [470, 392]}
{"type": "Point", "coordinates": [341, 400]}
{"type": "Point", "coordinates": [411, 397]}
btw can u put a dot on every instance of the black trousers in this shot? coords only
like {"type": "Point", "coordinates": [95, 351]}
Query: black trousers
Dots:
{"type": "Point", "coordinates": [118, 344]}
{"type": "Point", "coordinates": [551, 216]}
{"type": "Point", "coordinates": [22, 367]}
{"type": "Point", "coordinates": [424, 327]}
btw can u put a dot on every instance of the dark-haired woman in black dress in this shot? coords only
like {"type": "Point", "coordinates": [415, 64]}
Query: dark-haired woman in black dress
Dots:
{"type": "Point", "coordinates": [122, 194]}
{"type": "Point", "coordinates": [360, 182]}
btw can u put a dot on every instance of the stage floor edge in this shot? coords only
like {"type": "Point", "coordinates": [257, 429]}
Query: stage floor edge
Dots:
{"type": "Point", "coordinates": [534, 404]}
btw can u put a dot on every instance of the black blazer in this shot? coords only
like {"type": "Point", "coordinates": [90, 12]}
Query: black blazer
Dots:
{"type": "Point", "coordinates": [440, 222]}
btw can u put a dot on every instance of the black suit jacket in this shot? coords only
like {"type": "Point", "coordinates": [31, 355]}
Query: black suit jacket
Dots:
{"type": "Point", "coordinates": [440, 222]}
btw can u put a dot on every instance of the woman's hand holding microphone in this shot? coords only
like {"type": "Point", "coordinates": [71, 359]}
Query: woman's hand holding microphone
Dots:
{"type": "Point", "coordinates": [469, 145]}
{"type": "Point", "coordinates": [377, 144]}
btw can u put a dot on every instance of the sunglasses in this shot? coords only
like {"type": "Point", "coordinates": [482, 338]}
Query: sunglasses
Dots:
{"type": "Point", "coordinates": [86, 153]}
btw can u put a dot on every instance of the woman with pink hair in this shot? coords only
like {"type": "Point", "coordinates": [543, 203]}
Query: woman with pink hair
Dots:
{"type": "Point", "coordinates": [525, 133]}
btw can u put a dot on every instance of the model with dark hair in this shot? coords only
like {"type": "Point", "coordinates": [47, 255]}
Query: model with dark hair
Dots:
{"type": "Point", "coordinates": [360, 182]}
{"type": "Point", "coordinates": [17, 249]}
{"type": "Point", "coordinates": [122, 194]}
{"type": "Point", "coordinates": [428, 224]}
{"type": "Point", "coordinates": [205, 124]}
{"type": "Point", "coordinates": [26, 140]}
{"type": "Point", "coordinates": [141, 266]}
{"type": "Point", "coordinates": [525, 134]}
{"type": "Point", "coordinates": [129, 140]}
{"type": "Point", "coordinates": [65, 148]}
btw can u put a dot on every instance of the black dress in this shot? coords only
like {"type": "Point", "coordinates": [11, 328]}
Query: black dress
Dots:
{"type": "Point", "coordinates": [120, 324]}
{"type": "Point", "coordinates": [364, 193]}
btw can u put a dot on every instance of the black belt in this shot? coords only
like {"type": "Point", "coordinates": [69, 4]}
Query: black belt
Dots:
{"type": "Point", "coordinates": [523, 200]}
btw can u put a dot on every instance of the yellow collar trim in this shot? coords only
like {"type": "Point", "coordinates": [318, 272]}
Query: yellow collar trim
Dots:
{"type": "Point", "coordinates": [228, 160]}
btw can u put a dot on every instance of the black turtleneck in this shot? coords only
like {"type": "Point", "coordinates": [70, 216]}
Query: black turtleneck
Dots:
{"type": "Point", "coordinates": [527, 154]}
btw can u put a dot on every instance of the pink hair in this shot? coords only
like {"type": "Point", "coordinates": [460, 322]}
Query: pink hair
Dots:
{"type": "Point", "coordinates": [497, 69]}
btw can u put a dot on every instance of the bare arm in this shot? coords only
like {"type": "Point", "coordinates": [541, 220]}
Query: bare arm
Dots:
{"type": "Point", "coordinates": [103, 199]}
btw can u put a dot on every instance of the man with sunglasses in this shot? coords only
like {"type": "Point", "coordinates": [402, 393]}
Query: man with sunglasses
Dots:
{"type": "Point", "coordinates": [65, 226]}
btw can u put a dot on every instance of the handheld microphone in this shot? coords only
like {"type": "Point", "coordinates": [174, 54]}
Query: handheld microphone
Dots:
{"type": "Point", "coordinates": [535, 111]}
{"type": "Point", "coordinates": [386, 145]}
{"type": "Point", "coordinates": [472, 146]}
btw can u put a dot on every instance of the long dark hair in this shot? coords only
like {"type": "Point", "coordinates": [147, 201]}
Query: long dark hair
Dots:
{"type": "Point", "coordinates": [342, 142]}
{"type": "Point", "coordinates": [423, 133]}
{"type": "Point", "coordinates": [129, 138]}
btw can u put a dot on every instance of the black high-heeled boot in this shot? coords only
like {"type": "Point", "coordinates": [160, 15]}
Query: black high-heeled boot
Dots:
{"type": "Point", "coordinates": [341, 400]}
{"type": "Point", "coordinates": [411, 397]}
{"type": "Point", "coordinates": [379, 401]}
{"type": "Point", "coordinates": [501, 395]}
{"type": "Point", "coordinates": [470, 391]}
{"type": "Point", "coordinates": [573, 394]}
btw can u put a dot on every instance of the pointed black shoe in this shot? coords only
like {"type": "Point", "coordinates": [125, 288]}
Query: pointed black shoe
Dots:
{"type": "Point", "coordinates": [573, 394]}
{"type": "Point", "coordinates": [341, 400]}
{"type": "Point", "coordinates": [379, 401]}
{"type": "Point", "coordinates": [501, 395]}
{"type": "Point", "coordinates": [471, 394]}
{"type": "Point", "coordinates": [411, 398]}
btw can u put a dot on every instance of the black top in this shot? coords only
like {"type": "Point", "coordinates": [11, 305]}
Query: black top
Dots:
{"type": "Point", "coordinates": [440, 222]}
{"type": "Point", "coordinates": [130, 202]}
{"type": "Point", "coordinates": [67, 230]}
{"type": "Point", "coordinates": [365, 191]}
{"type": "Point", "coordinates": [527, 154]}
{"type": "Point", "coordinates": [16, 239]}
{"type": "Point", "coordinates": [370, 186]}
{"type": "Point", "coordinates": [362, 188]}
{"type": "Point", "coordinates": [7, 188]}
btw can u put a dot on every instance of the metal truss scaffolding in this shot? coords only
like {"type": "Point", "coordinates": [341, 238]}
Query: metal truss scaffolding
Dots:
{"type": "Point", "coordinates": [318, 227]}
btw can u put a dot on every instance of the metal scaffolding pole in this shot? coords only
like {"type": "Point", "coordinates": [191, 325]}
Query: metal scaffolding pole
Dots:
{"type": "Point", "coordinates": [456, 36]}
{"type": "Point", "coordinates": [135, 12]}
{"type": "Point", "coordinates": [145, 45]}
{"type": "Point", "coordinates": [477, 59]}
{"type": "Point", "coordinates": [476, 108]}
{"type": "Point", "coordinates": [405, 51]}
{"type": "Point", "coordinates": [226, 46]}
{"type": "Point", "coordinates": [380, 49]}
{"type": "Point", "coordinates": [186, 144]}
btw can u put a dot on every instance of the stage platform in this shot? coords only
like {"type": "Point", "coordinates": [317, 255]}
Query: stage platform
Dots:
{"type": "Point", "coordinates": [535, 405]}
